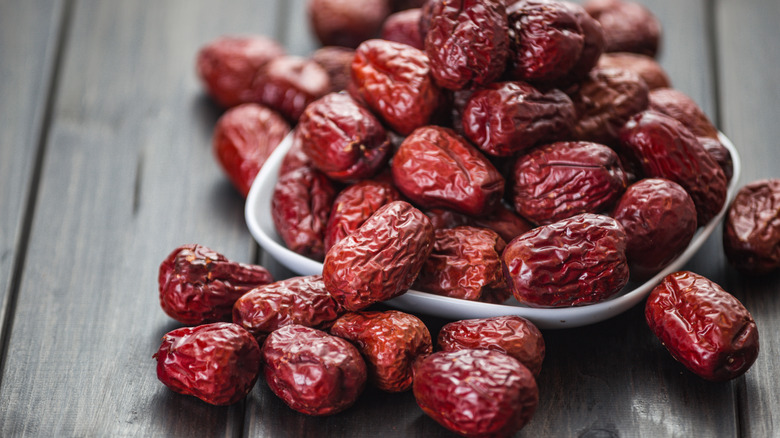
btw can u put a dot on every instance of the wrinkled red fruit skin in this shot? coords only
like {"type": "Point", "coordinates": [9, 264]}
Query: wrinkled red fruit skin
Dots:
{"type": "Point", "coordinates": [751, 233]}
{"type": "Point", "coordinates": [389, 341]}
{"type": "Point", "coordinates": [509, 117]}
{"type": "Point", "coordinates": [503, 221]}
{"type": "Point", "coordinates": [704, 327]}
{"type": "Point", "coordinates": [720, 154]}
{"type": "Point", "coordinates": [380, 259]}
{"type": "Point", "coordinates": [312, 371]}
{"type": "Point", "coordinates": [244, 137]}
{"type": "Point", "coordinates": [546, 39]}
{"type": "Point", "coordinates": [660, 220]}
{"type": "Point", "coordinates": [436, 167]}
{"type": "Point", "coordinates": [404, 27]}
{"type": "Point", "coordinates": [343, 139]}
{"type": "Point", "coordinates": [667, 149]}
{"type": "Point", "coordinates": [592, 48]}
{"type": "Point", "coordinates": [346, 23]}
{"type": "Point", "coordinates": [337, 61]}
{"type": "Point", "coordinates": [476, 393]}
{"type": "Point", "coordinates": [465, 263]}
{"type": "Point", "coordinates": [576, 261]}
{"type": "Point", "coordinates": [354, 205]}
{"type": "Point", "coordinates": [645, 66]}
{"type": "Point", "coordinates": [288, 84]}
{"type": "Point", "coordinates": [563, 179]}
{"type": "Point", "coordinates": [678, 105]}
{"type": "Point", "coordinates": [628, 26]}
{"type": "Point", "coordinates": [296, 300]}
{"type": "Point", "coordinates": [228, 65]}
{"type": "Point", "coordinates": [467, 42]}
{"type": "Point", "coordinates": [605, 100]}
{"type": "Point", "coordinates": [295, 158]}
{"type": "Point", "coordinates": [395, 82]}
{"type": "Point", "coordinates": [512, 335]}
{"type": "Point", "coordinates": [198, 285]}
{"type": "Point", "coordinates": [219, 363]}
{"type": "Point", "coordinates": [300, 205]}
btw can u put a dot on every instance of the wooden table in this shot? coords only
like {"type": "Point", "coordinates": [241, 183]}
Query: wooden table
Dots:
{"type": "Point", "coordinates": [106, 166]}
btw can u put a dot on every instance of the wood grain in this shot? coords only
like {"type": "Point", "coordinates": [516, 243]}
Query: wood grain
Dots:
{"type": "Point", "coordinates": [750, 103]}
{"type": "Point", "coordinates": [29, 43]}
{"type": "Point", "coordinates": [128, 176]}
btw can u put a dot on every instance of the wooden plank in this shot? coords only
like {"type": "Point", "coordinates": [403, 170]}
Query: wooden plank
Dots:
{"type": "Point", "coordinates": [29, 34]}
{"type": "Point", "coordinates": [747, 36]}
{"type": "Point", "coordinates": [128, 176]}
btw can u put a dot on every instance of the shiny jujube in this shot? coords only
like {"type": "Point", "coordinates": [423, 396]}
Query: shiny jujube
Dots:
{"type": "Point", "coordinates": [563, 179]}
{"type": "Point", "coordinates": [704, 327]}
{"type": "Point", "coordinates": [476, 393]}
{"type": "Point", "coordinates": [751, 232]}
{"type": "Point", "coordinates": [436, 167]}
{"type": "Point", "coordinates": [389, 341]}
{"type": "Point", "coordinates": [380, 259]}
{"type": "Point", "coordinates": [576, 261]}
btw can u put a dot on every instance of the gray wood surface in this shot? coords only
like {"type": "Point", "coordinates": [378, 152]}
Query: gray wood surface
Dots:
{"type": "Point", "coordinates": [128, 175]}
{"type": "Point", "coordinates": [749, 58]}
{"type": "Point", "coordinates": [29, 41]}
{"type": "Point", "coordinates": [106, 91]}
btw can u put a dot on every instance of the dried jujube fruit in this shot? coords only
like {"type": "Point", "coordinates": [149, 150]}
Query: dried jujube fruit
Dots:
{"type": "Point", "coordinates": [467, 41]}
{"type": "Point", "coordinates": [337, 62]}
{"type": "Point", "coordinates": [380, 259]}
{"type": "Point", "coordinates": [227, 66]}
{"type": "Point", "coordinates": [343, 139]}
{"type": "Point", "coordinates": [219, 362]}
{"type": "Point", "coordinates": [354, 205]}
{"type": "Point", "coordinates": [704, 327]}
{"type": "Point", "coordinates": [665, 148]}
{"type": "Point", "coordinates": [389, 341]}
{"type": "Point", "coordinates": [313, 372]}
{"type": "Point", "coordinates": [678, 105]}
{"type": "Point", "coordinates": [346, 23]}
{"type": "Point", "coordinates": [394, 80]}
{"type": "Point", "coordinates": [295, 157]}
{"type": "Point", "coordinates": [644, 66]}
{"type": "Point", "coordinates": [404, 27]}
{"type": "Point", "coordinates": [503, 221]}
{"type": "Point", "coordinates": [436, 167]}
{"type": "Point", "coordinates": [720, 154]}
{"type": "Point", "coordinates": [628, 26]}
{"type": "Point", "coordinates": [288, 84]}
{"type": "Point", "coordinates": [297, 300]}
{"type": "Point", "coordinates": [560, 180]}
{"type": "Point", "coordinates": [659, 218]}
{"type": "Point", "coordinates": [605, 100]}
{"type": "Point", "coordinates": [592, 47]}
{"type": "Point", "coordinates": [465, 263]}
{"type": "Point", "coordinates": [199, 285]}
{"type": "Point", "coordinates": [476, 393]}
{"type": "Point", "coordinates": [509, 117]}
{"type": "Point", "coordinates": [576, 261]}
{"type": "Point", "coordinates": [546, 39]}
{"type": "Point", "coordinates": [751, 233]}
{"type": "Point", "coordinates": [300, 206]}
{"type": "Point", "coordinates": [510, 334]}
{"type": "Point", "coordinates": [244, 138]}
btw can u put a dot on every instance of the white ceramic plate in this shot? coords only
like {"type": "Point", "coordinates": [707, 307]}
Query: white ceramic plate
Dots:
{"type": "Point", "coordinates": [258, 217]}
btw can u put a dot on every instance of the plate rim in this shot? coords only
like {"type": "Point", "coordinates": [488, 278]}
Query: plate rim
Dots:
{"type": "Point", "coordinates": [449, 308]}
